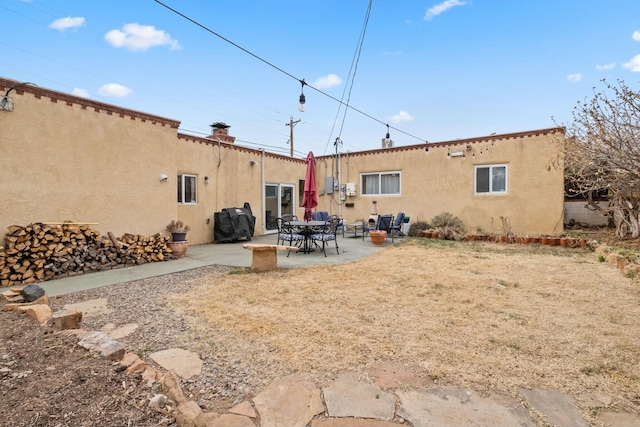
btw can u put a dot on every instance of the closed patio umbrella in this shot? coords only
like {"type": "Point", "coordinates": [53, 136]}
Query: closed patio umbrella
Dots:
{"type": "Point", "coordinates": [310, 197]}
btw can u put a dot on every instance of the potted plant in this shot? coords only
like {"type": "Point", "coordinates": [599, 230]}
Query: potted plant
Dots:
{"type": "Point", "coordinates": [178, 230]}
{"type": "Point", "coordinates": [179, 242]}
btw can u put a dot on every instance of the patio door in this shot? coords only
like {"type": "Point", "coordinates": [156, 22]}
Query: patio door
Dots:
{"type": "Point", "coordinates": [279, 200]}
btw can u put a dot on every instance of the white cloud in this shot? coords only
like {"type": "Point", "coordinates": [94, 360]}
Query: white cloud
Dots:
{"type": "Point", "coordinates": [80, 92]}
{"type": "Point", "coordinates": [401, 117]}
{"type": "Point", "coordinates": [635, 36]}
{"type": "Point", "coordinates": [68, 22]}
{"type": "Point", "coordinates": [114, 90]}
{"type": "Point", "coordinates": [633, 65]}
{"type": "Point", "coordinates": [605, 67]}
{"type": "Point", "coordinates": [389, 53]}
{"type": "Point", "coordinates": [442, 8]}
{"type": "Point", "coordinates": [330, 80]}
{"type": "Point", "coordinates": [140, 37]}
{"type": "Point", "coordinates": [574, 78]}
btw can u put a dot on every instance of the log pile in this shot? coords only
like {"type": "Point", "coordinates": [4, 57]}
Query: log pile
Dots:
{"type": "Point", "coordinates": [43, 251]}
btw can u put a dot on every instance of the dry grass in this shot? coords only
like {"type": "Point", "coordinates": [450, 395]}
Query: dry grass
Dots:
{"type": "Point", "coordinates": [478, 315]}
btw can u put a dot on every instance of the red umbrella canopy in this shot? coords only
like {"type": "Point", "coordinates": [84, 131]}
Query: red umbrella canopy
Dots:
{"type": "Point", "coordinates": [310, 198]}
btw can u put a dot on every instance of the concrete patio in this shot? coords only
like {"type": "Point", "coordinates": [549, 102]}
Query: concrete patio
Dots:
{"type": "Point", "coordinates": [230, 254]}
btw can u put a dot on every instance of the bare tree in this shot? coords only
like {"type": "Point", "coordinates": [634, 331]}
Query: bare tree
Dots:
{"type": "Point", "coordinates": [602, 153]}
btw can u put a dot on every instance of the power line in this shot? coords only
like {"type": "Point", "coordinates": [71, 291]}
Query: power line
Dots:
{"type": "Point", "coordinates": [301, 81]}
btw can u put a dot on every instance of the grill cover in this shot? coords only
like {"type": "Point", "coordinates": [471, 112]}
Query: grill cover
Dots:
{"type": "Point", "coordinates": [233, 224]}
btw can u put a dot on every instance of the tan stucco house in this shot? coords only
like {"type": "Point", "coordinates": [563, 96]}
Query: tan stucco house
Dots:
{"type": "Point", "coordinates": [69, 158]}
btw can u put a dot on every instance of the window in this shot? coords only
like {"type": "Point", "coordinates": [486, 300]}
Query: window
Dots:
{"type": "Point", "coordinates": [491, 179]}
{"type": "Point", "coordinates": [374, 184]}
{"type": "Point", "coordinates": [187, 189]}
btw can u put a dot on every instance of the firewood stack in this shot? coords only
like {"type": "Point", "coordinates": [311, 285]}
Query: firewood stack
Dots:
{"type": "Point", "coordinates": [45, 251]}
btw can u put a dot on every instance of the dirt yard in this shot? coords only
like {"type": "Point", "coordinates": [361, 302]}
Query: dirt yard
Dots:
{"type": "Point", "coordinates": [479, 315]}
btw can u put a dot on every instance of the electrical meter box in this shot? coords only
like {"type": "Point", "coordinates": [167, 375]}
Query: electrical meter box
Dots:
{"type": "Point", "coordinates": [351, 189]}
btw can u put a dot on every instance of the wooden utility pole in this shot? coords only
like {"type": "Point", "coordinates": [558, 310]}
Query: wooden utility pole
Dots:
{"type": "Point", "coordinates": [291, 124]}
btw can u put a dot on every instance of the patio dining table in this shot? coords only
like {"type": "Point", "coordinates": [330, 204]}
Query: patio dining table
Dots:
{"type": "Point", "coordinates": [306, 228]}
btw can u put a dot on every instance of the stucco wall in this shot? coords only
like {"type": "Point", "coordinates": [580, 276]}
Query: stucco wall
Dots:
{"type": "Point", "coordinates": [432, 183]}
{"type": "Point", "coordinates": [64, 158]}
{"type": "Point", "coordinates": [68, 158]}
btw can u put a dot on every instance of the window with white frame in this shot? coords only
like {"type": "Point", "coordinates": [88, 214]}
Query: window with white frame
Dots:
{"type": "Point", "coordinates": [491, 179]}
{"type": "Point", "coordinates": [380, 183]}
{"type": "Point", "coordinates": [187, 189]}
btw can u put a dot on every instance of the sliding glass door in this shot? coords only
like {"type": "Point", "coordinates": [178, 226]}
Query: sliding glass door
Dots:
{"type": "Point", "coordinates": [279, 200]}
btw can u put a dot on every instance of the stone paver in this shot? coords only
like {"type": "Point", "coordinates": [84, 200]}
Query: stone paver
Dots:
{"type": "Point", "coordinates": [288, 402]}
{"type": "Point", "coordinates": [185, 363]}
{"type": "Point", "coordinates": [459, 407]}
{"type": "Point", "coordinates": [102, 343]}
{"type": "Point", "coordinates": [91, 307]}
{"type": "Point", "coordinates": [352, 422]}
{"type": "Point", "coordinates": [350, 396]}
{"type": "Point", "coordinates": [119, 332]}
{"type": "Point", "coordinates": [231, 420]}
{"type": "Point", "coordinates": [618, 419]}
{"type": "Point", "coordinates": [243, 408]}
{"type": "Point", "coordinates": [556, 407]}
{"type": "Point", "coordinates": [393, 375]}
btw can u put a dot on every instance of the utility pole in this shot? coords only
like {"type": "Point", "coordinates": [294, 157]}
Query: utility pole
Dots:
{"type": "Point", "coordinates": [291, 124]}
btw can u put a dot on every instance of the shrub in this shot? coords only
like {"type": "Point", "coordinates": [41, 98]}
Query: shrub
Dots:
{"type": "Point", "coordinates": [417, 227]}
{"type": "Point", "coordinates": [449, 226]}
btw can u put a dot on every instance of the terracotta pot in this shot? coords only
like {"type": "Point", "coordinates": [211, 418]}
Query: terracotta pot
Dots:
{"type": "Point", "coordinates": [469, 237]}
{"type": "Point", "coordinates": [582, 243]}
{"type": "Point", "coordinates": [544, 240]}
{"type": "Point", "coordinates": [179, 249]}
{"type": "Point", "coordinates": [564, 242]}
{"type": "Point", "coordinates": [554, 241]}
{"type": "Point", "coordinates": [537, 240]}
{"type": "Point", "coordinates": [519, 240]}
{"type": "Point", "coordinates": [378, 237]}
{"type": "Point", "coordinates": [503, 239]}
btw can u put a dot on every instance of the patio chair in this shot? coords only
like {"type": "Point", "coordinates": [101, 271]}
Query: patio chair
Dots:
{"type": "Point", "coordinates": [328, 233]}
{"type": "Point", "coordinates": [286, 233]}
{"type": "Point", "coordinates": [396, 226]}
{"type": "Point", "coordinates": [320, 216]}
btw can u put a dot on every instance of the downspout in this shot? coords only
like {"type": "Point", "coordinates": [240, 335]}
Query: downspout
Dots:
{"type": "Point", "coordinates": [218, 172]}
{"type": "Point", "coordinates": [262, 191]}
{"type": "Point", "coordinates": [340, 201]}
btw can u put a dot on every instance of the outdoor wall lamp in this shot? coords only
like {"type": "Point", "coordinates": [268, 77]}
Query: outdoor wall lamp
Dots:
{"type": "Point", "coordinates": [302, 98]}
{"type": "Point", "coordinates": [206, 179]}
{"type": "Point", "coordinates": [6, 102]}
{"type": "Point", "coordinates": [252, 163]}
{"type": "Point", "coordinates": [163, 177]}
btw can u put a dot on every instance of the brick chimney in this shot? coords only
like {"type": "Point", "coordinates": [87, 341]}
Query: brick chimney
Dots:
{"type": "Point", "coordinates": [220, 132]}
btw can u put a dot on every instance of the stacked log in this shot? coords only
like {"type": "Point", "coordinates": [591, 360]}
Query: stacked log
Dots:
{"type": "Point", "coordinates": [45, 251]}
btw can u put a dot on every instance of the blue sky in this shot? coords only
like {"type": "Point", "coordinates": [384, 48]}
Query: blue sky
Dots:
{"type": "Point", "coordinates": [432, 70]}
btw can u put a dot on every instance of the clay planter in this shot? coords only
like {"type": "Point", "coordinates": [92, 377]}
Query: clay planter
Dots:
{"type": "Point", "coordinates": [582, 243]}
{"type": "Point", "coordinates": [179, 249]}
{"type": "Point", "coordinates": [554, 241]}
{"type": "Point", "coordinates": [537, 240]}
{"type": "Point", "coordinates": [378, 237]}
{"type": "Point", "coordinates": [545, 240]}
{"type": "Point", "coordinates": [564, 242]}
